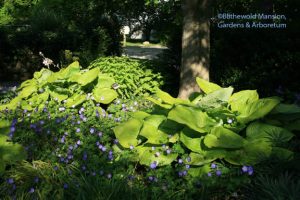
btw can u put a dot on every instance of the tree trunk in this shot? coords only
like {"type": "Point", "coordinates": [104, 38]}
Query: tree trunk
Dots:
{"type": "Point", "coordinates": [195, 45]}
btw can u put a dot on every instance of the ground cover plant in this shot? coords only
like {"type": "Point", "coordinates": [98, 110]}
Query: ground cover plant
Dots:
{"type": "Point", "coordinates": [207, 147]}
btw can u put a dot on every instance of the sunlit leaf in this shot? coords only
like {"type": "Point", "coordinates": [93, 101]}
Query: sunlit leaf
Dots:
{"type": "Point", "coordinates": [127, 132]}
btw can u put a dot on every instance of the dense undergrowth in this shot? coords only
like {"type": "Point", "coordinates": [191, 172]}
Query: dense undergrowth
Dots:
{"type": "Point", "coordinates": [219, 145]}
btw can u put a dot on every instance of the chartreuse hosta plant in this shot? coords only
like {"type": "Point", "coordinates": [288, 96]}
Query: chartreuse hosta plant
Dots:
{"type": "Point", "coordinates": [239, 128]}
{"type": "Point", "coordinates": [71, 85]}
{"type": "Point", "coordinates": [9, 152]}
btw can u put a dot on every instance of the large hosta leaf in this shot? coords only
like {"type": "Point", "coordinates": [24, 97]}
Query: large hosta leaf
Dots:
{"type": "Point", "coordinates": [257, 151]}
{"type": "Point", "coordinates": [70, 70]}
{"type": "Point", "coordinates": [140, 115]}
{"type": "Point", "coordinates": [38, 99]}
{"type": "Point", "coordinates": [205, 157]}
{"type": "Point", "coordinates": [285, 112]}
{"type": "Point", "coordinates": [58, 96]}
{"type": "Point", "coordinates": [166, 98]}
{"type": "Point", "coordinates": [75, 77]}
{"type": "Point", "coordinates": [151, 132]}
{"type": "Point", "coordinates": [28, 90]}
{"type": "Point", "coordinates": [42, 75]}
{"type": "Point", "coordinates": [25, 105]}
{"type": "Point", "coordinates": [240, 99]}
{"type": "Point", "coordinates": [221, 137]}
{"type": "Point", "coordinates": [105, 81]}
{"type": "Point", "coordinates": [257, 109]}
{"type": "Point", "coordinates": [206, 86]}
{"type": "Point", "coordinates": [282, 154]}
{"type": "Point", "coordinates": [12, 104]}
{"type": "Point", "coordinates": [189, 138]}
{"type": "Point", "coordinates": [104, 95]}
{"type": "Point", "coordinates": [170, 127]}
{"type": "Point", "coordinates": [88, 76]}
{"type": "Point", "coordinates": [252, 153]}
{"type": "Point", "coordinates": [147, 156]}
{"type": "Point", "coordinates": [199, 171]}
{"type": "Point", "coordinates": [54, 77]}
{"type": "Point", "coordinates": [215, 98]}
{"type": "Point", "coordinates": [192, 117]}
{"type": "Point", "coordinates": [75, 100]}
{"type": "Point", "coordinates": [286, 109]}
{"type": "Point", "coordinates": [127, 132]}
{"type": "Point", "coordinates": [27, 83]}
{"type": "Point", "coordinates": [159, 103]}
{"type": "Point", "coordinates": [268, 133]}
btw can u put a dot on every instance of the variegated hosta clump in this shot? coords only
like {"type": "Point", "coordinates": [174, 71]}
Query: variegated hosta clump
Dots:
{"type": "Point", "coordinates": [9, 152]}
{"type": "Point", "coordinates": [239, 128]}
{"type": "Point", "coordinates": [71, 85]}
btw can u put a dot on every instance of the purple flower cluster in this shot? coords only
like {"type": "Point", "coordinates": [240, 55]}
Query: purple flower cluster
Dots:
{"type": "Point", "coordinates": [110, 155]}
{"type": "Point", "coordinates": [248, 169]}
{"type": "Point", "coordinates": [214, 166]}
{"type": "Point", "coordinates": [101, 146]}
{"type": "Point", "coordinates": [182, 173]}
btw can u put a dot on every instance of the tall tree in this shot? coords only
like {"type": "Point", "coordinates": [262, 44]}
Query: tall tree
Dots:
{"type": "Point", "coordinates": [195, 45]}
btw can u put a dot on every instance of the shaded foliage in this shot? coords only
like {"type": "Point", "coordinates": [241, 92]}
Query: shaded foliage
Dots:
{"type": "Point", "coordinates": [265, 59]}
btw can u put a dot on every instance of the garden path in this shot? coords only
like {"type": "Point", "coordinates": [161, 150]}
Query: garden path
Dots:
{"type": "Point", "coordinates": [143, 52]}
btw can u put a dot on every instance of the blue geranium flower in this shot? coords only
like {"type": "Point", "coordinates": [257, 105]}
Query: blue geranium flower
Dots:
{"type": "Point", "coordinates": [31, 190]}
{"type": "Point", "coordinates": [218, 173]}
{"type": "Point", "coordinates": [92, 130]}
{"type": "Point", "coordinates": [180, 161]}
{"type": "Point", "coordinates": [153, 165]}
{"type": "Point", "coordinates": [10, 181]}
{"type": "Point", "coordinates": [213, 166]}
{"type": "Point", "coordinates": [250, 170]}
{"type": "Point", "coordinates": [244, 169]}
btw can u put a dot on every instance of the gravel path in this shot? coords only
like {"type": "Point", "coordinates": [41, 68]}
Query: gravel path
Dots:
{"type": "Point", "coordinates": [141, 52]}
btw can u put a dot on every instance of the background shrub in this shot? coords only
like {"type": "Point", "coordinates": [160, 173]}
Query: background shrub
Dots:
{"type": "Point", "coordinates": [266, 60]}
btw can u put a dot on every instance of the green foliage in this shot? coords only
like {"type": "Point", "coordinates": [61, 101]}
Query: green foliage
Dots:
{"type": "Point", "coordinates": [70, 85]}
{"type": "Point", "coordinates": [283, 186]}
{"type": "Point", "coordinates": [134, 77]}
{"type": "Point", "coordinates": [53, 26]}
{"type": "Point", "coordinates": [48, 134]}
{"type": "Point", "coordinates": [9, 152]}
{"type": "Point", "coordinates": [49, 183]}
{"type": "Point", "coordinates": [7, 94]}
{"type": "Point", "coordinates": [218, 125]}
{"type": "Point", "coordinates": [272, 68]}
